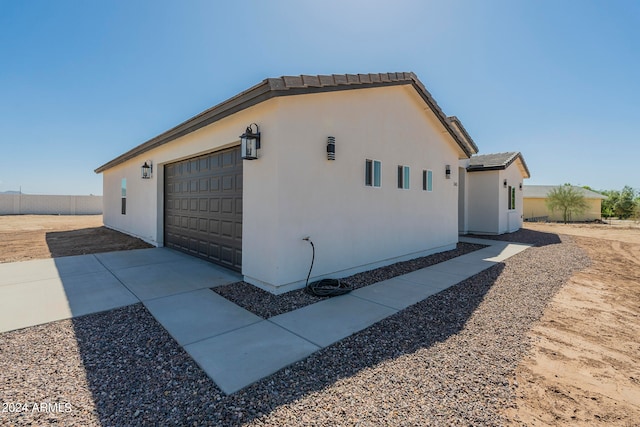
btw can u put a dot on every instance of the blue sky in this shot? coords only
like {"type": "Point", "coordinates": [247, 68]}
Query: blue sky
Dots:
{"type": "Point", "coordinates": [84, 81]}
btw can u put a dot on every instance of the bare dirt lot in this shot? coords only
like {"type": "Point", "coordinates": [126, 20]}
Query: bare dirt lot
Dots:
{"type": "Point", "coordinates": [584, 368]}
{"type": "Point", "coordinates": [25, 237]}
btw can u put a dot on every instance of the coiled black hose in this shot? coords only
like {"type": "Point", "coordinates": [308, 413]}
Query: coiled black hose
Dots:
{"type": "Point", "coordinates": [324, 287]}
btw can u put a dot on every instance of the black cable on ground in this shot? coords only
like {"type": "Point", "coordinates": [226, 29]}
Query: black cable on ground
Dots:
{"type": "Point", "coordinates": [324, 287]}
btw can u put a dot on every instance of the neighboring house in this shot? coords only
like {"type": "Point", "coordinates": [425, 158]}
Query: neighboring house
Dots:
{"type": "Point", "coordinates": [491, 187]}
{"type": "Point", "coordinates": [535, 204]}
{"type": "Point", "coordinates": [390, 194]}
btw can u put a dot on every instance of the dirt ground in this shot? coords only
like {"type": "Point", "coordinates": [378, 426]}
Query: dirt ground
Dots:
{"type": "Point", "coordinates": [584, 367]}
{"type": "Point", "coordinates": [25, 237]}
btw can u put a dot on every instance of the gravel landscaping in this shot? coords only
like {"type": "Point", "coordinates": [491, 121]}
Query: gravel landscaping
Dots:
{"type": "Point", "coordinates": [266, 304]}
{"type": "Point", "coordinates": [448, 360]}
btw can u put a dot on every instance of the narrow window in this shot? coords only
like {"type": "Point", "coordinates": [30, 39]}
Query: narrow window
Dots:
{"type": "Point", "coordinates": [512, 198]}
{"type": "Point", "coordinates": [376, 173]}
{"type": "Point", "coordinates": [427, 180]}
{"type": "Point", "coordinates": [124, 196]}
{"type": "Point", "coordinates": [403, 177]}
{"type": "Point", "coordinates": [372, 173]}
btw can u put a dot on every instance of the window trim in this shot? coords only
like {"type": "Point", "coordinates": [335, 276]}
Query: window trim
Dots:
{"type": "Point", "coordinates": [427, 180]}
{"type": "Point", "coordinates": [511, 202]}
{"type": "Point", "coordinates": [404, 177]}
{"type": "Point", "coordinates": [123, 200]}
{"type": "Point", "coordinates": [373, 173]}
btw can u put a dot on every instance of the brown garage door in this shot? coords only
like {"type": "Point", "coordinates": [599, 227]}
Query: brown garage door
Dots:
{"type": "Point", "coordinates": [203, 207]}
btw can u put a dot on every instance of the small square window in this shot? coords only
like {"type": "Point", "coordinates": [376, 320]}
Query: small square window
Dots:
{"type": "Point", "coordinates": [403, 177]}
{"type": "Point", "coordinates": [372, 173]}
{"type": "Point", "coordinates": [427, 180]}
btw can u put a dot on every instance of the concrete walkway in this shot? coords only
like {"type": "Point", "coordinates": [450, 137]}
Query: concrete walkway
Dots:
{"type": "Point", "coordinates": [233, 346]}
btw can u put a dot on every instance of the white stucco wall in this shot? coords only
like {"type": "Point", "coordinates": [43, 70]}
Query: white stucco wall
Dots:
{"type": "Point", "coordinates": [463, 200]}
{"type": "Point", "coordinates": [484, 190]}
{"type": "Point", "coordinates": [510, 220]}
{"type": "Point", "coordinates": [488, 201]}
{"type": "Point", "coordinates": [293, 191]}
{"type": "Point", "coordinates": [353, 227]}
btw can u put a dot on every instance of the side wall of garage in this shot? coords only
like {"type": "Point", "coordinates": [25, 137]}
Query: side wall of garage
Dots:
{"type": "Point", "coordinates": [293, 190]}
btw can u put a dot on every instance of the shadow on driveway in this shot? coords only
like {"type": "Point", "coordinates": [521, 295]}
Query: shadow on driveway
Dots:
{"type": "Point", "coordinates": [139, 375]}
{"type": "Point", "coordinates": [536, 238]}
{"type": "Point", "coordinates": [90, 241]}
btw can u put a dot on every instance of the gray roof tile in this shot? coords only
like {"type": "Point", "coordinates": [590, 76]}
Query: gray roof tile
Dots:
{"type": "Point", "coordinates": [293, 85]}
{"type": "Point", "coordinates": [495, 161]}
{"type": "Point", "coordinates": [327, 80]}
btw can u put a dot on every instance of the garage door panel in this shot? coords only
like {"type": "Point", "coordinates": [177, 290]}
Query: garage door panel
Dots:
{"type": "Point", "coordinates": [203, 207]}
{"type": "Point", "coordinates": [228, 160]}
{"type": "Point", "coordinates": [215, 184]}
{"type": "Point", "coordinates": [226, 229]}
{"type": "Point", "coordinates": [227, 255]}
{"type": "Point", "coordinates": [227, 206]}
{"type": "Point", "coordinates": [214, 251]}
{"type": "Point", "coordinates": [214, 226]}
{"type": "Point", "coordinates": [227, 183]}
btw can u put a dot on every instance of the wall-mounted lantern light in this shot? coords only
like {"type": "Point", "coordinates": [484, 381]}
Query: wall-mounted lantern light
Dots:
{"type": "Point", "coordinates": [447, 171]}
{"type": "Point", "coordinates": [331, 148]}
{"type": "Point", "coordinates": [146, 170]}
{"type": "Point", "coordinates": [505, 183]}
{"type": "Point", "coordinates": [520, 186]}
{"type": "Point", "coordinates": [250, 143]}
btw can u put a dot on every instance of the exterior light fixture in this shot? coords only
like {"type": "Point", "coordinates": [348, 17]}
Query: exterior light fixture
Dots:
{"type": "Point", "coordinates": [447, 172]}
{"type": "Point", "coordinates": [146, 170]}
{"type": "Point", "coordinates": [520, 186]}
{"type": "Point", "coordinates": [505, 183]}
{"type": "Point", "coordinates": [331, 148]}
{"type": "Point", "coordinates": [250, 143]}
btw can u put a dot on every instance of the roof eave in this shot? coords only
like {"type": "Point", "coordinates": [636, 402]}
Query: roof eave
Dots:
{"type": "Point", "coordinates": [252, 96]}
{"type": "Point", "coordinates": [273, 87]}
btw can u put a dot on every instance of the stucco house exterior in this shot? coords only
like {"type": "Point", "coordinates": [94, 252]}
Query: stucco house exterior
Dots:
{"type": "Point", "coordinates": [389, 194]}
{"type": "Point", "coordinates": [535, 204]}
{"type": "Point", "coordinates": [491, 185]}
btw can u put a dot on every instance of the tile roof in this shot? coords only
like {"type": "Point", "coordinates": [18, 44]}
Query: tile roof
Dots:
{"type": "Point", "coordinates": [457, 125]}
{"type": "Point", "coordinates": [541, 191]}
{"type": "Point", "coordinates": [496, 161]}
{"type": "Point", "coordinates": [295, 85]}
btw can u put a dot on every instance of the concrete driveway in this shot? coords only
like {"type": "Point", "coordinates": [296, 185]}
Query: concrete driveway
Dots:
{"type": "Point", "coordinates": [45, 290]}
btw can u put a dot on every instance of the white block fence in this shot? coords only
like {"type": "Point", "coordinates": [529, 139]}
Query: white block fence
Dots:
{"type": "Point", "coordinates": [36, 204]}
